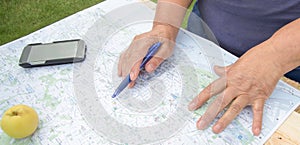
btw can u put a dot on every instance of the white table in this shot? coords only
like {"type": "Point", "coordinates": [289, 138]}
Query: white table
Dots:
{"type": "Point", "coordinates": [50, 90]}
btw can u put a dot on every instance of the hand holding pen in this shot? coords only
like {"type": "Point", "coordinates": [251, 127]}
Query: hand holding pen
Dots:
{"type": "Point", "coordinates": [151, 52]}
{"type": "Point", "coordinates": [131, 59]}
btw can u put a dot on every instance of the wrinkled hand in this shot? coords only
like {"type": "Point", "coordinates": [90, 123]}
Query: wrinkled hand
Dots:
{"type": "Point", "coordinates": [249, 81]}
{"type": "Point", "coordinates": [132, 57]}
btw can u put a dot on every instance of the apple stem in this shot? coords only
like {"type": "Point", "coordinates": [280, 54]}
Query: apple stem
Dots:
{"type": "Point", "coordinates": [15, 113]}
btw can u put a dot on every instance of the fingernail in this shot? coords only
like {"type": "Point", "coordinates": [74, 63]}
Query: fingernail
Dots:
{"type": "Point", "coordinates": [217, 67]}
{"type": "Point", "coordinates": [256, 131]}
{"type": "Point", "coordinates": [130, 85]}
{"type": "Point", "coordinates": [218, 128]}
{"type": "Point", "coordinates": [150, 67]}
{"type": "Point", "coordinates": [201, 125]}
{"type": "Point", "coordinates": [192, 106]}
{"type": "Point", "coordinates": [132, 74]}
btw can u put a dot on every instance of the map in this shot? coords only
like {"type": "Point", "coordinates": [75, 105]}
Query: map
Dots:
{"type": "Point", "coordinates": [74, 101]}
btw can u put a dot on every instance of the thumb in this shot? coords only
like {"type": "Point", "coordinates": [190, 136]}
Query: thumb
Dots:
{"type": "Point", "coordinates": [153, 63]}
{"type": "Point", "coordinates": [221, 70]}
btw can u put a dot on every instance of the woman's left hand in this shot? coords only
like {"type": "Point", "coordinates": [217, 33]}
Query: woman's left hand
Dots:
{"type": "Point", "coordinates": [249, 81]}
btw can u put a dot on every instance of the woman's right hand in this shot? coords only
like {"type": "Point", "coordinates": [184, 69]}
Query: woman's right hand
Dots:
{"type": "Point", "coordinates": [131, 58]}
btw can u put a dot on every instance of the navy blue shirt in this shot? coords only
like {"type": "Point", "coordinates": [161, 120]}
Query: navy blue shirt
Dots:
{"type": "Point", "coordinates": [241, 24]}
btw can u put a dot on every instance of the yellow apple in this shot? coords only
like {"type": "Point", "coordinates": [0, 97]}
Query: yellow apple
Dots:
{"type": "Point", "coordinates": [19, 121]}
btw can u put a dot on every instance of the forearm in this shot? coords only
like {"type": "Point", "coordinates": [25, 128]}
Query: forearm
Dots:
{"type": "Point", "coordinates": [276, 56]}
{"type": "Point", "coordinates": [183, 3]}
{"type": "Point", "coordinates": [171, 13]}
{"type": "Point", "coordinates": [286, 42]}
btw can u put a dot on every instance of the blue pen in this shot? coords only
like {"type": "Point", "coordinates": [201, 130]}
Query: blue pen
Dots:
{"type": "Point", "coordinates": [151, 51]}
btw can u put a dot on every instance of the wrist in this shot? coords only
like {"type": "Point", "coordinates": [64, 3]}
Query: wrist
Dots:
{"type": "Point", "coordinates": [265, 61]}
{"type": "Point", "coordinates": [167, 29]}
{"type": "Point", "coordinates": [171, 13]}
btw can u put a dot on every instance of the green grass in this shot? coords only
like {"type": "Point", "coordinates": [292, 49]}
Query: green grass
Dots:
{"type": "Point", "coordinates": [21, 17]}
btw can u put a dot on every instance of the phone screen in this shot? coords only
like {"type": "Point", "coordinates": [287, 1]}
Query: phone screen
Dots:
{"type": "Point", "coordinates": [53, 53]}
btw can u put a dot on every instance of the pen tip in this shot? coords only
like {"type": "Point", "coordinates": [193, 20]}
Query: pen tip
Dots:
{"type": "Point", "coordinates": [115, 95]}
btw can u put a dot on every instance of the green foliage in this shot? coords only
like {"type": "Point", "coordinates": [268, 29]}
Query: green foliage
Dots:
{"type": "Point", "coordinates": [21, 17]}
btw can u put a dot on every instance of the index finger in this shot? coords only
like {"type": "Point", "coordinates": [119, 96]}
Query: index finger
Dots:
{"type": "Point", "coordinates": [134, 72]}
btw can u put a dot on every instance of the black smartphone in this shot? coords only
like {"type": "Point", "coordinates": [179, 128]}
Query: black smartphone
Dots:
{"type": "Point", "coordinates": [59, 52]}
